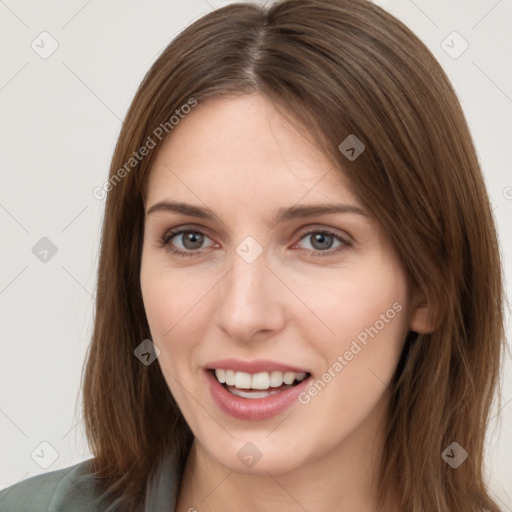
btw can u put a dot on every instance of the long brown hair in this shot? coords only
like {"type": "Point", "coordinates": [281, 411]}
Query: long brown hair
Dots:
{"type": "Point", "coordinates": [336, 68]}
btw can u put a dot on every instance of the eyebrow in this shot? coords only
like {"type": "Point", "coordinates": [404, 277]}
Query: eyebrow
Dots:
{"type": "Point", "coordinates": [282, 215]}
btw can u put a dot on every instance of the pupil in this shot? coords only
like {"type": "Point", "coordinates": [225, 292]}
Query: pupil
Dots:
{"type": "Point", "coordinates": [322, 241]}
{"type": "Point", "coordinates": [193, 240]}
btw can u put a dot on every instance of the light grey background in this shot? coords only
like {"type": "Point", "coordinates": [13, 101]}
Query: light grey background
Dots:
{"type": "Point", "coordinates": [59, 119]}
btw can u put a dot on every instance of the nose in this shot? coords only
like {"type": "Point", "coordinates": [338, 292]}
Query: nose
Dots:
{"type": "Point", "coordinates": [250, 302]}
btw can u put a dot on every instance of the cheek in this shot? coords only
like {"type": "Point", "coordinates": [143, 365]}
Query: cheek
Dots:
{"type": "Point", "coordinates": [364, 321]}
{"type": "Point", "coordinates": [170, 307]}
{"type": "Point", "coordinates": [167, 294]}
{"type": "Point", "coordinates": [369, 318]}
{"type": "Point", "coordinates": [175, 303]}
{"type": "Point", "coordinates": [345, 305]}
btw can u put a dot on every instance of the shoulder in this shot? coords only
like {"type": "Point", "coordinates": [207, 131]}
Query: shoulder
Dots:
{"type": "Point", "coordinates": [73, 489]}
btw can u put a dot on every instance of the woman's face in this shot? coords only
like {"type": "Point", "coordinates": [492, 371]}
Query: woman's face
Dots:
{"type": "Point", "coordinates": [270, 266]}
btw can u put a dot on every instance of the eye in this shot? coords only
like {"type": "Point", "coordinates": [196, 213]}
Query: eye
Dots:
{"type": "Point", "coordinates": [184, 242]}
{"type": "Point", "coordinates": [189, 242]}
{"type": "Point", "coordinates": [323, 241]}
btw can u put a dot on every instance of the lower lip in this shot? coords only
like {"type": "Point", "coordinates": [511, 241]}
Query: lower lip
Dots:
{"type": "Point", "coordinates": [253, 409]}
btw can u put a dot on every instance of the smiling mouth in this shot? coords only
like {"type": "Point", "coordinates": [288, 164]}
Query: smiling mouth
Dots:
{"type": "Point", "coordinates": [258, 385]}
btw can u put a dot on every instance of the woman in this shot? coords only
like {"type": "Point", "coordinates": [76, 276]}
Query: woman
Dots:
{"type": "Point", "coordinates": [299, 299]}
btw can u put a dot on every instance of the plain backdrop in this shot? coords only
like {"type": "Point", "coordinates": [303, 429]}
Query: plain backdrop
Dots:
{"type": "Point", "coordinates": [60, 115]}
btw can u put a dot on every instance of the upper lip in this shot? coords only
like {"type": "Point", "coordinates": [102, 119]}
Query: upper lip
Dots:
{"type": "Point", "coordinates": [254, 366]}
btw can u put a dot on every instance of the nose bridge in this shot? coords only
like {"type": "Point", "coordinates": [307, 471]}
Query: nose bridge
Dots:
{"type": "Point", "coordinates": [248, 279]}
{"type": "Point", "coordinates": [248, 284]}
{"type": "Point", "coordinates": [248, 303]}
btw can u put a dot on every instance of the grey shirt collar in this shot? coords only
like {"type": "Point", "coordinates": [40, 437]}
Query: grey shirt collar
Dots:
{"type": "Point", "coordinates": [163, 487]}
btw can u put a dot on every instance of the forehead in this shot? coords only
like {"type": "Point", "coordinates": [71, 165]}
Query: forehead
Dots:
{"type": "Point", "coordinates": [243, 150]}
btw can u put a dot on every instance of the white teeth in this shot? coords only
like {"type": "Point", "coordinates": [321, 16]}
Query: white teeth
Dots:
{"type": "Point", "coordinates": [276, 379]}
{"type": "Point", "coordinates": [242, 380]}
{"type": "Point", "coordinates": [221, 375]}
{"type": "Point", "coordinates": [262, 380]}
{"type": "Point", "coordinates": [289, 377]}
{"type": "Point", "coordinates": [230, 377]}
{"type": "Point", "coordinates": [252, 394]}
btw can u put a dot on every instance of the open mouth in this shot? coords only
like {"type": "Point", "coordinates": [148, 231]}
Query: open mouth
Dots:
{"type": "Point", "coordinates": [258, 385]}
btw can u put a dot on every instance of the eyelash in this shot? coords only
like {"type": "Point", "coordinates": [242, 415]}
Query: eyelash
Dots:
{"type": "Point", "coordinates": [164, 241]}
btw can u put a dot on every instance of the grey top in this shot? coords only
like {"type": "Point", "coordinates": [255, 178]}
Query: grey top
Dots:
{"type": "Point", "coordinates": [75, 489]}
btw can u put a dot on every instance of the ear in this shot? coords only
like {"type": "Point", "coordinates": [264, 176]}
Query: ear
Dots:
{"type": "Point", "coordinates": [422, 316]}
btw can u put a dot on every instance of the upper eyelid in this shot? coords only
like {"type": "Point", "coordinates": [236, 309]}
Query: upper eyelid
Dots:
{"type": "Point", "coordinates": [186, 229]}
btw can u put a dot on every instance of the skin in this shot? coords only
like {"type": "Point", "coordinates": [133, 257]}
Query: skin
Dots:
{"type": "Point", "coordinates": [243, 160]}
